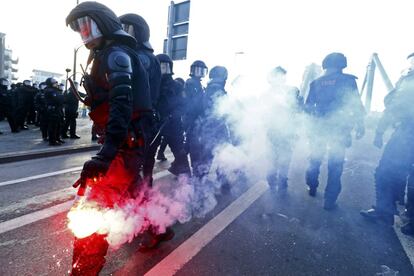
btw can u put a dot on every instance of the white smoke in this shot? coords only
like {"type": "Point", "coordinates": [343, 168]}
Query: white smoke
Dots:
{"type": "Point", "coordinates": [257, 116]}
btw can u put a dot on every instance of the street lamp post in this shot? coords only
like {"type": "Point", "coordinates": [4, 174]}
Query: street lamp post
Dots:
{"type": "Point", "coordinates": [67, 76]}
{"type": "Point", "coordinates": [75, 53]}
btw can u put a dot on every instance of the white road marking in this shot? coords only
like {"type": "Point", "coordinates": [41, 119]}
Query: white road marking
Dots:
{"type": "Point", "coordinates": [33, 217]}
{"type": "Point", "coordinates": [187, 250]}
{"type": "Point", "coordinates": [44, 199]}
{"type": "Point", "coordinates": [48, 212]}
{"type": "Point", "coordinates": [39, 176]}
{"type": "Point", "coordinates": [406, 241]}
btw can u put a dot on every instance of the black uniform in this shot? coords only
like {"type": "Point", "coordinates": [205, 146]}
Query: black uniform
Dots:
{"type": "Point", "coordinates": [282, 137]}
{"type": "Point", "coordinates": [210, 130]}
{"type": "Point", "coordinates": [41, 107]}
{"type": "Point", "coordinates": [25, 103]}
{"type": "Point", "coordinates": [397, 159]}
{"type": "Point", "coordinates": [171, 107]}
{"type": "Point", "coordinates": [150, 118]}
{"type": "Point", "coordinates": [7, 107]}
{"type": "Point", "coordinates": [54, 113]}
{"type": "Point", "coordinates": [71, 113]}
{"type": "Point", "coordinates": [335, 106]}
{"type": "Point", "coordinates": [194, 93]}
{"type": "Point", "coordinates": [118, 85]}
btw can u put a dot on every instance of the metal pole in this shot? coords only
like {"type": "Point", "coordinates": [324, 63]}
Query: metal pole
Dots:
{"type": "Point", "coordinates": [66, 82]}
{"type": "Point", "coordinates": [74, 63]}
{"type": "Point", "coordinates": [384, 75]}
{"type": "Point", "coordinates": [171, 17]}
{"type": "Point", "coordinates": [370, 84]}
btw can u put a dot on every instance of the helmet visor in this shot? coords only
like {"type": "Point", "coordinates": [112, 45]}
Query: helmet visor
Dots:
{"type": "Point", "coordinates": [129, 29]}
{"type": "Point", "coordinates": [87, 28]}
{"type": "Point", "coordinates": [165, 68]}
{"type": "Point", "coordinates": [200, 72]}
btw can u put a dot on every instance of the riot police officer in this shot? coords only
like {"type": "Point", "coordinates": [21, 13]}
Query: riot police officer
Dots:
{"type": "Point", "coordinates": [136, 26]}
{"type": "Point", "coordinates": [6, 104]}
{"type": "Point", "coordinates": [71, 113]}
{"type": "Point", "coordinates": [335, 109]}
{"type": "Point", "coordinates": [41, 108]}
{"type": "Point", "coordinates": [288, 103]}
{"type": "Point", "coordinates": [54, 111]}
{"type": "Point", "coordinates": [194, 92]}
{"type": "Point", "coordinates": [210, 130]}
{"type": "Point", "coordinates": [171, 108]}
{"type": "Point", "coordinates": [25, 101]}
{"type": "Point", "coordinates": [114, 84]}
{"type": "Point", "coordinates": [397, 159]}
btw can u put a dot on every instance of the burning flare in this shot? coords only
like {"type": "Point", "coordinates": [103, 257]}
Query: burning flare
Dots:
{"type": "Point", "coordinates": [85, 218]}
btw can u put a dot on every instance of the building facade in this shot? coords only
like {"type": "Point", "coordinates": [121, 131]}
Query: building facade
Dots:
{"type": "Point", "coordinates": [40, 76]}
{"type": "Point", "coordinates": [8, 65]}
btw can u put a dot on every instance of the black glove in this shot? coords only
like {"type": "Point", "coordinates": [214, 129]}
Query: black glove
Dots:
{"type": "Point", "coordinates": [94, 168]}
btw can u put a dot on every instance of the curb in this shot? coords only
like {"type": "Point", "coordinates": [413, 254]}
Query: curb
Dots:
{"type": "Point", "coordinates": [34, 154]}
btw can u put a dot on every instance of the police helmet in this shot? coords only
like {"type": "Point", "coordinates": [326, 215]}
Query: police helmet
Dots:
{"type": "Point", "coordinates": [27, 83]}
{"type": "Point", "coordinates": [198, 69]}
{"type": "Point", "coordinates": [52, 82]}
{"type": "Point", "coordinates": [166, 64]}
{"type": "Point", "coordinates": [93, 20]}
{"type": "Point", "coordinates": [136, 26]}
{"type": "Point", "coordinates": [277, 75]}
{"type": "Point", "coordinates": [219, 73]}
{"type": "Point", "coordinates": [42, 85]}
{"type": "Point", "coordinates": [334, 60]}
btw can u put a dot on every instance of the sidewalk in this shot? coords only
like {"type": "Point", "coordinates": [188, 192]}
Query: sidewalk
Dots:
{"type": "Point", "coordinates": [28, 144]}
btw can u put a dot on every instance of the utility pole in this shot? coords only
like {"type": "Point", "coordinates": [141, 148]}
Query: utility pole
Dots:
{"type": "Point", "coordinates": [67, 76]}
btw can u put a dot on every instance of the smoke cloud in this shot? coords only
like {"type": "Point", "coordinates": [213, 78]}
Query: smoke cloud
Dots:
{"type": "Point", "coordinates": [263, 121]}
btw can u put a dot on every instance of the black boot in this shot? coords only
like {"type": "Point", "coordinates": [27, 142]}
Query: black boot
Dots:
{"type": "Point", "coordinates": [312, 191]}
{"type": "Point", "coordinates": [161, 157]}
{"type": "Point", "coordinates": [153, 240]}
{"type": "Point", "coordinates": [378, 217]}
{"type": "Point", "coordinates": [74, 136]}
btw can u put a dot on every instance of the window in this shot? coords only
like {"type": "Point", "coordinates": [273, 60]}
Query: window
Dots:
{"type": "Point", "coordinates": [179, 48]}
{"type": "Point", "coordinates": [180, 29]}
{"type": "Point", "coordinates": [165, 50]}
{"type": "Point", "coordinates": [182, 12]}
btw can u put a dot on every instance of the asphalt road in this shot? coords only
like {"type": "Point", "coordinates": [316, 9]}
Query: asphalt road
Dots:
{"type": "Point", "coordinates": [252, 231]}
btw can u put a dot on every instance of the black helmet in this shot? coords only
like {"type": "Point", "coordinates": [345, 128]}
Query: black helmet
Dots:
{"type": "Point", "coordinates": [27, 83]}
{"type": "Point", "coordinates": [136, 26]}
{"type": "Point", "coordinates": [198, 69]}
{"type": "Point", "coordinates": [42, 85]}
{"type": "Point", "coordinates": [334, 60]}
{"type": "Point", "coordinates": [180, 81]}
{"type": "Point", "coordinates": [219, 73]}
{"type": "Point", "coordinates": [52, 82]}
{"type": "Point", "coordinates": [108, 23]}
{"type": "Point", "coordinates": [166, 64]}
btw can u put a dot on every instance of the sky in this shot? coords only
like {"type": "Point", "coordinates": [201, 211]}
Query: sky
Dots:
{"type": "Point", "coordinates": [290, 33]}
